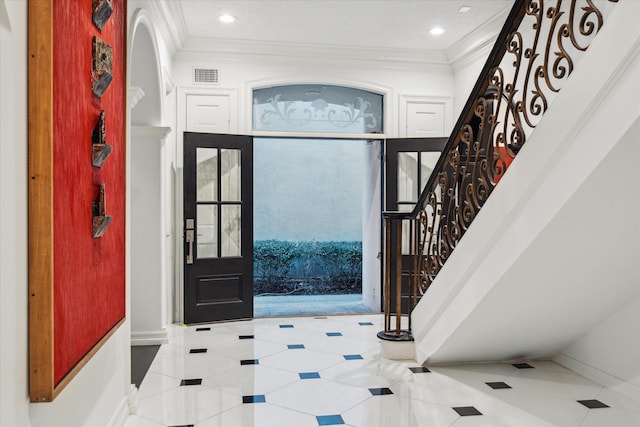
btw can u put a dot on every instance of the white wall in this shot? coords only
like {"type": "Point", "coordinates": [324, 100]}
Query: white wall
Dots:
{"type": "Point", "coordinates": [14, 406]}
{"type": "Point", "coordinates": [242, 73]}
{"type": "Point", "coordinates": [306, 190]}
{"type": "Point", "coordinates": [98, 394]}
{"type": "Point", "coordinates": [149, 283]}
{"type": "Point", "coordinates": [465, 75]}
{"type": "Point", "coordinates": [610, 352]}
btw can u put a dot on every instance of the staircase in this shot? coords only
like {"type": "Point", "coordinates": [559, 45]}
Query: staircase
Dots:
{"type": "Point", "coordinates": [551, 253]}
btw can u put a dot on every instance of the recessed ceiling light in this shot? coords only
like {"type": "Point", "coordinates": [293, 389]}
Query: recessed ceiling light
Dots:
{"type": "Point", "coordinates": [464, 9]}
{"type": "Point", "coordinates": [436, 31]}
{"type": "Point", "coordinates": [227, 19]}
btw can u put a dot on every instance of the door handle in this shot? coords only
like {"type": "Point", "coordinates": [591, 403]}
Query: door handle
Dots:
{"type": "Point", "coordinates": [189, 239]}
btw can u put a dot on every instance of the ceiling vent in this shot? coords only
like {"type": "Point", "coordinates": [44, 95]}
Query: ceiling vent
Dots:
{"type": "Point", "coordinates": [206, 76]}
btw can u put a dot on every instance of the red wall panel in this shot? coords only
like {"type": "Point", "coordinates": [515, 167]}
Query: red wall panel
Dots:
{"type": "Point", "coordinates": [89, 274]}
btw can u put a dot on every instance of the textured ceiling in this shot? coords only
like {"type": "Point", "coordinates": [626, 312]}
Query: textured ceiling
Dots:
{"type": "Point", "coordinates": [393, 24]}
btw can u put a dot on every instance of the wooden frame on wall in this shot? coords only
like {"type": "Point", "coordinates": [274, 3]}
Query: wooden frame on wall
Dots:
{"type": "Point", "coordinates": [47, 376]}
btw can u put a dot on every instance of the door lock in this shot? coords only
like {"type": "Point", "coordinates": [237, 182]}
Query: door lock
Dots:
{"type": "Point", "coordinates": [189, 236]}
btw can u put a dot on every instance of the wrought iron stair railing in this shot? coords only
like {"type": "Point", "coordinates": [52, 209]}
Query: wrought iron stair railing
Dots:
{"type": "Point", "coordinates": [534, 54]}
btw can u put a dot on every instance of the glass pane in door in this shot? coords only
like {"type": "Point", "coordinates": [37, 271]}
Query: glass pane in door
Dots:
{"type": "Point", "coordinates": [207, 231]}
{"type": "Point", "coordinates": [231, 169]}
{"type": "Point", "coordinates": [206, 174]}
{"type": "Point", "coordinates": [230, 238]}
{"type": "Point", "coordinates": [428, 160]}
{"type": "Point", "coordinates": [407, 176]}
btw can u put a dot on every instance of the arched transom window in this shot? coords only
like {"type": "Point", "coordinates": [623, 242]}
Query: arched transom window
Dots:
{"type": "Point", "coordinates": [317, 108]}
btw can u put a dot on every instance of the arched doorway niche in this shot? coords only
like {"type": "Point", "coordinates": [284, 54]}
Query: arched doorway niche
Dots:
{"type": "Point", "coordinates": [147, 177]}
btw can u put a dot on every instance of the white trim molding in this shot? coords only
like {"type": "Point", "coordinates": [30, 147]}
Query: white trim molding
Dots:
{"type": "Point", "coordinates": [609, 381]}
{"type": "Point", "coordinates": [477, 43]}
{"type": "Point", "coordinates": [135, 94]}
{"type": "Point", "coordinates": [120, 415]}
{"type": "Point", "coordinates": [149, 338]}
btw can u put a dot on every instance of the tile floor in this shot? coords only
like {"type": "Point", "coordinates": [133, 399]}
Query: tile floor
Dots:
{"type": "Point", "coordinates": [327, 371]}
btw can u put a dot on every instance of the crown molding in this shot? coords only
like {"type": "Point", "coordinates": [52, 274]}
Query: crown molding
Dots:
{"type": "Point", "coordinates": [478, 43]}
{"type": "Point", "coordinates": [173, 28]}
{"type": "Point", "coordinates": [231, 48]}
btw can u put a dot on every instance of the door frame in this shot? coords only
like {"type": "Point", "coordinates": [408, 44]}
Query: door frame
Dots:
{"type": "Point", "coordinates": [236, 123]}
{"type": "Point", "coordinates": [177, 290]}
{"type": "Point", "coordinates": [376, 288]}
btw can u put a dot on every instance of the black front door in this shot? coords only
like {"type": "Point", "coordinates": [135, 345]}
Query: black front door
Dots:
{"type": "Point", "coordinates": [409, 163]}
{"type": "Point", "coordinates": [218, 227]}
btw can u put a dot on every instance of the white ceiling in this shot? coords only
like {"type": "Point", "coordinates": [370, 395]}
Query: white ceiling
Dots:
{"type": "Point", "coordinates": [382, 24]}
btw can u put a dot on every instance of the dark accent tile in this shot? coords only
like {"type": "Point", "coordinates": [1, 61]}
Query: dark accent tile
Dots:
{"type": "Point", "coordinates": [286, 326]}
{"type": "Point", "coordinates": [184, 425]}
{"type": "Point", "coordinates": [522, 365]}
{"type": "Point", "coordinates": [197, 350]}
{"type": "Point", "coordinates": [250, 362]}
{"type": "Point", "coordinates": [380, 391]}
{"type": "Point", "coordinates": [258, 398]}
{"type": "Point", "coordinates": [320, 318]}
{"type": "Point", "coordinates": [246, 337]}
{"type": "Point", "coordinates": [193, 381]}
{"type": "Point", "coordinates": [365, 323]}
{"type": "Point", "coordinates": [593, 404]}
{"type": "Point", "coordinates": [294, 346]}
{"type": "Point", "coordinates": [498, 385]}
{"type": "Point", "coordinates": [352, 357]}
{"type": "Point", "coordinates": [202, 329]}
{"type": "Point", "coordinates": [308, 375]}
{"type": "Point", "coordinates": [334, 334]}
{"type": "Point", "coordinates": [329, 420]}
{"type": "Point", "coordinates": [419, 370]}
{"type": "Point", "coordinates": [465, 411]}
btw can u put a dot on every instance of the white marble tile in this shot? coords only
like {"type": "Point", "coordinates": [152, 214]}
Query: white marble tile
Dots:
{"type": "Point", "coordinates": [437, 388]}
{"type": "Point", "coordinates": [541, 397]}
{"type": "Point", "coordinates": [555, 409]}
{"type": "Point", "coordinates": [342, 345]}
{"type": "Point", "coordinates": [395, 411]}
{"type": "Point", "coordinates": [203, 339]}
{"type": "Point", "coordinates": [155, 383]}
{"type": "Point", "coordinates": [611, 417]}
{"type": "Point", "coordinates": [192, 366]}
{"type": "Point", "coordinates": [301, 360]}
{"type": "Point", "coordinates": [137, 421]}
{"type": "Point", "coordinates": [366, 373]}
{"type": "Point", "coordinates": [186, 405]}
{"type": "Point", "coordinates": [169, 351]}
{"type": "Point", "coordinates": [295, 335]}
{"type": "Point", "coordinates": [563, 384]}
{"type": "Point", "coordinates": [250, 380]}
{"type": "Point", "coordinates": [318, 396]}
{"type": "Point", "coordinates": [245, 348]}
{"type": "Point", "coordinates": [504, 420]}
{"type": "Point", "coordinates": [619, 401]}
{"type": "Point", "coordinates": [259, 415]}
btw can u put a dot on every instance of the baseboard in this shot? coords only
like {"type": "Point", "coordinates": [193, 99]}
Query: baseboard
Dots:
{"type": "Point", "coordinates": [609, 381]}
{"type": "Point", "coordinates": [149, 337]}
{"type": "Point", "coordinates": [121, 415]}
{"type": "Point", "coordinates": [132, 399]}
